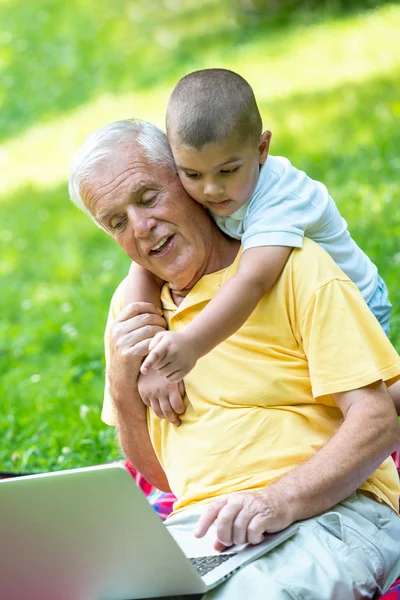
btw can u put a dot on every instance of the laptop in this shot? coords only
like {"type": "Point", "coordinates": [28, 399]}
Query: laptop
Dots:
{"type": "Point", "coordinates": [90, 534]}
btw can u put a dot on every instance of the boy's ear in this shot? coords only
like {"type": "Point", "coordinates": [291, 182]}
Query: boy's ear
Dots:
{"type": "Point", "coordinates": [263, 146]}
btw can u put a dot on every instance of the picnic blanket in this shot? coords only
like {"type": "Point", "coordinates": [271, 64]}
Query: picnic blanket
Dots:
{"type": "Point", "coordinates": [393, 592]}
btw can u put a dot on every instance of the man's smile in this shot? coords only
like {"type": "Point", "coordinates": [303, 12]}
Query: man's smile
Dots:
{"type": "Point", "coordinates": [162, 246]}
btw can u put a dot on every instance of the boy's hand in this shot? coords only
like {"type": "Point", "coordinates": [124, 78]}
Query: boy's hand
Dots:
{"type": "Point", "coordinates": [165, 399]}
{"type": "Point", "coordinates": [172, 354]}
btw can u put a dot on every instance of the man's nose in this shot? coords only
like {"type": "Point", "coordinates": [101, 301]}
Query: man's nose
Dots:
{"type": "Point", "coordinates": [213, 189]}
{"type": "Point", "coordinates": [141, 221]}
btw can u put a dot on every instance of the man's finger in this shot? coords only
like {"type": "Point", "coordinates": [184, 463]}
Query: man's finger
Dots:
{"type": "Point", "coordinates": [128, 333]}
{"type": "Point", "coordinates": [208, 517]}
{"type": "Point", "coordinates": [137, 346]}
{"type": "Point", "coordinates": [225, 520]}
{"type": "Point", "coordinates": [138, 350]}
{"type": "Point", "coordinates": [156, 340]}
{"type": "Point", "coordinates": [256, 529]}
{"type": "Point", "coordinates": [137, 308]}
{"type": "Point", "coordinates": [239, 527]}
{"type": "Point", "coordinates": [219, 547]}
{"type": "Point", "coordinates": [138, 334]}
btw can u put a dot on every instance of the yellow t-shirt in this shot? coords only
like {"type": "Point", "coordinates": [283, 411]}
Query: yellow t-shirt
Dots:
{"type": "Point", "coordinates": [259, 403]}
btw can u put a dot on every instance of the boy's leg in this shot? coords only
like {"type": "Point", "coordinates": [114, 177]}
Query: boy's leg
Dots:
{"type": "Point", "coordinates": [380, 305]}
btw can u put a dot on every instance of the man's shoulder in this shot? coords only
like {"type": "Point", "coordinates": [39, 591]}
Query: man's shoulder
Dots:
{"type": "Point", "coordinates": [311, 267]}
{"type": "Point", "coordinates": [313, 255]}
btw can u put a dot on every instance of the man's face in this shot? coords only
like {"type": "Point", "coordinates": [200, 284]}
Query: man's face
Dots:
{"type": "Point", "coordinates": [144, 207]}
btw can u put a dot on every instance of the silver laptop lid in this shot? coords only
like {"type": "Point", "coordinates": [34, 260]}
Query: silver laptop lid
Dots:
{"type": "Point", "coordinates": [86, 534]}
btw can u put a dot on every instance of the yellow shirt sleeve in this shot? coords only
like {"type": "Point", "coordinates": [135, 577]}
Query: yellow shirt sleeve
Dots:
{"type": "Point", "coordinates": [344, 343]}
{"type": "Point", "coordinates": [117, 304]}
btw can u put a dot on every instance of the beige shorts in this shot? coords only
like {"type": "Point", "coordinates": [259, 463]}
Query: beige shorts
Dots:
{"type": "Point", "coordinates": [349, 552]}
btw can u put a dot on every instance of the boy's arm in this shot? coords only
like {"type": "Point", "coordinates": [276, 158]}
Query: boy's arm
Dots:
{"type": "Point", "coordinates": [174, 354]}
{"type": "Point", "coordinates": [258, 270]}
{"type": "Point", "coordinates": [142, 286]}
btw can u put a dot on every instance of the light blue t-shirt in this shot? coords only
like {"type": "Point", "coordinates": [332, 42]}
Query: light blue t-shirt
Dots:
{"type": "Point", "coordinates": [288, 205]}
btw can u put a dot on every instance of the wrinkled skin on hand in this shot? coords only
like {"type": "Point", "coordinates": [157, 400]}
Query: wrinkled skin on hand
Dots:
{"type": "Point", "coordinates": [244, 517]}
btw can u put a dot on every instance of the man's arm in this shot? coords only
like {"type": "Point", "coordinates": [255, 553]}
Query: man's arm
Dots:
{"type": "Point", "coordinates": [129, 338]}
{"type": "Point", "coordinates": [369, 433]}
{"type": "Point", "coordinates": [394, 391]}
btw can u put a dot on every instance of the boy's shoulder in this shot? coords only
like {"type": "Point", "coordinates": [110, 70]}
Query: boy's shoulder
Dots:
{"type": "Point", "coordinates": [275, 172]}
{"type": "Point", "coordinates": [279, 164]}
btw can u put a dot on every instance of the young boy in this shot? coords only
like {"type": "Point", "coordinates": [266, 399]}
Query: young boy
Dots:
{"type": "Point", "coordinates": [222, 157]}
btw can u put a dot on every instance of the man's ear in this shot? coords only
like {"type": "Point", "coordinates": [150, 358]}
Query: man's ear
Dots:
{"type": "Point", "coordinates": [263, 146]}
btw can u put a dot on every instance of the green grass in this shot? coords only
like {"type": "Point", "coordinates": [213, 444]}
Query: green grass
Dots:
{"type": "Point", "coordinates": [329, 94]}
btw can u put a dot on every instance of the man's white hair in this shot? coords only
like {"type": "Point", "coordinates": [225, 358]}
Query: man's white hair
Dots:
{"type": "Point", "coordinates": [104, 142]}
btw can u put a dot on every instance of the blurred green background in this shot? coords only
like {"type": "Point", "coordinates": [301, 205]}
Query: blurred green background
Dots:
{"type": "Point", "coordinates": [326, 75]}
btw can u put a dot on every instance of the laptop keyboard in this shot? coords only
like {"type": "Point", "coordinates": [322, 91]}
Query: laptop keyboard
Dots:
{"type": "Point", "coordinates": [205, 564]}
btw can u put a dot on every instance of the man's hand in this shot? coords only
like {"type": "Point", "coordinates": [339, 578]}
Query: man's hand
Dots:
{"type": "Point", "coordinates": [165, 399]}
{"type": "Point", "coordinates": [173, 354]}
{"type": "Point", "coordinates": [244, 517]}
{"type": "Point", "coordinates": [130, 336]}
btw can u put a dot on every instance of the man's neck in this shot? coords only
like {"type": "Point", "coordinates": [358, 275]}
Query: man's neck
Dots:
{"type": "Point", "coordinates": [222, 252]}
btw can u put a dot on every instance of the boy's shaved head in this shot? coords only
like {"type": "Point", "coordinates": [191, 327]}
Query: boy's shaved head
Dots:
{"type": "Point", "coordinates": [210, 106]}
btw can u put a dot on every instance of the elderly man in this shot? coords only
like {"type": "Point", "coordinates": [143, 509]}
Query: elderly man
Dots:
{"type": "Point", "coordinates": [288, 420]}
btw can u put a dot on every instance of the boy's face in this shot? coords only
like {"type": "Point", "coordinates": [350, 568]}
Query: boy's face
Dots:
{"type": "Point", "coordinates": [222, 175]}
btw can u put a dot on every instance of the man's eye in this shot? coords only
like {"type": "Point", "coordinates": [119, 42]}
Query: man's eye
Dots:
{"type": "Point", "coordinates": [229, 171]}
{"type": "Point", "coordinates": [192, 175]}
{"type": "Point", "coordinates": [148, 197]}
{"type": "Point", "coordinates": [117, 225]}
